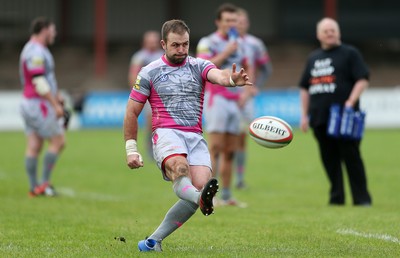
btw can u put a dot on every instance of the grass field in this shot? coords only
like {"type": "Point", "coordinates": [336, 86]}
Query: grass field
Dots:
{"type": "Point", "coordinates": [102, 201]}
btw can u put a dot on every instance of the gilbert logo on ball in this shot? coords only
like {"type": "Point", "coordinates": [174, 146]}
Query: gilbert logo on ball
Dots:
{"type": "Point", "coordinates": [271, 132]}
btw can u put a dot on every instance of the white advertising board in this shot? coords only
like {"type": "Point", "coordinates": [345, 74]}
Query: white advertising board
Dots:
{"type": "Point", "coordinates": [382, 107]}
{"type": "Point", "coordinates": [10, 118]}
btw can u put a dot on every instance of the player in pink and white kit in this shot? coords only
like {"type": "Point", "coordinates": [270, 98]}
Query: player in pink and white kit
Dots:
{"type": "Point", "coordinates": [224, 47]}
{"type": "Point", "coordinates": [174, 86]}
{"type": "Point", "coordinates": [41, 106]}
{"type": "Point", "coordinates": [259, 58]}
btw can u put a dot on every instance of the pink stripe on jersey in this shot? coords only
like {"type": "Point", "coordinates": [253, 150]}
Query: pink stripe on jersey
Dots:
{"type": "Point", "coordinates": [205, 72]}
{"type": "Point", "coordinates": [215, 89]}
{"type": "Point", "coordinates": [29, 88]}
{"type": "Point", "coordinates": [138, 96]}
{"type": "Point", "coordinates": [265, 59]}
{"type": "Point", "coordinates": [204, 56]}
{"type": "Point", "coordinates": [43, 109]}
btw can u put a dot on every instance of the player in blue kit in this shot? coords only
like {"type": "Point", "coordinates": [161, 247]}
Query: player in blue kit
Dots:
{"type": "Point", "coordinates": [174, 86]}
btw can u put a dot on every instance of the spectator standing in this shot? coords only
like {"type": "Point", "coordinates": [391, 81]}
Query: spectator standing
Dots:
{"type": "Point", "coordinates": [335, 74]}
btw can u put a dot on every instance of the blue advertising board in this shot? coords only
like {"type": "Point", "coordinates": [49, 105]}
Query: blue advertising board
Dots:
{"type": "Point", "coordinates": [284, 104]}
{"type": "Point", "coordinates": [107, 108]}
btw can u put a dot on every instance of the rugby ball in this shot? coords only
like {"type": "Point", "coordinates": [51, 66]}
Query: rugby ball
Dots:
{"type": "Point", "coordinates": [271, 132]}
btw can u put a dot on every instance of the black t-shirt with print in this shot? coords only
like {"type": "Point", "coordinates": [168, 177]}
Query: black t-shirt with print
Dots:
{"type": "Point", "coordinates": [329, 77]}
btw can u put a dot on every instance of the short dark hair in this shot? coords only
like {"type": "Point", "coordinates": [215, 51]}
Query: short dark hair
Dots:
{"type": "Point", "coordinates": [175, 26]}
{"type": "Point", "coordinates": [40, 23]}
{"type": "Point", "coordinates": [226, 7]}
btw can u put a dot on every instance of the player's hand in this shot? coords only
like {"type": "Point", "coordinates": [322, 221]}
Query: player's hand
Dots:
{"type": "Point", "coordinates": [240, 78]}
{"type": "Point", "coordinates": [304, 123]}
{"type": "Point", "coordinates": [134, 160]}
{"type": "Point", "coordinates": [60, 99]}
{"type": "Point", "coordinates": [67, 117]}
{"type": "Point", "coordinates": [231, 48]}
{"type": "Point", "coordinates": [59, 111]}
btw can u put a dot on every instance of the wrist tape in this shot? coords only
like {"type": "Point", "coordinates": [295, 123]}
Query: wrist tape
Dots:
{"type": "Point", "coordinates": [131, 147]}
{"type": "Point", "coordinates": [42, 87]}
{"type": "Point", "coordinates": [231, 82]}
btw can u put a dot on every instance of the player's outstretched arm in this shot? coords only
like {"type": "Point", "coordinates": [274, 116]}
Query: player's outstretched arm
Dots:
{"type": "Point", "coordinates": [229, 78]}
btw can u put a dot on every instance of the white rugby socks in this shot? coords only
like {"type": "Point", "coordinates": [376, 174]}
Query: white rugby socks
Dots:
{"type": "Point", "coordinates": [185, 190]}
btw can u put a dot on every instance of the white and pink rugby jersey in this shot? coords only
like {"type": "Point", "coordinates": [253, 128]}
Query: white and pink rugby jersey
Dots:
{"type": "Point", "coordinates": [259, 58]}
{"type": "Point", "coordinates": [175, 92]}
{"type": "Point", "coordinates": [36, 59]}
{"type": "Point", "coordinates": [259, 53]}
{"type": "Point", "coordinates": [213, 44]}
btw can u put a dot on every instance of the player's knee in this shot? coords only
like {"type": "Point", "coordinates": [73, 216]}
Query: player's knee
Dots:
{"type": "Point", "coordinates": [200, 183]}
{"type": "Point", "coordinates": [182, 169]}
{"type": "Point", "coordinates": [179, 168]}
{"type": "Point", "coordinates": [57, 146]}
{"type": "Point", "coordinates": [62, 146]}
{"type": "Point", "coordinates": [229, 155]}
{"type": "Point", "coordinates": [215, 149]}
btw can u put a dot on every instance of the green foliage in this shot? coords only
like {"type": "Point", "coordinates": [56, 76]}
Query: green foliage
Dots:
{"type": "Point", "coordinates": [103, 202]}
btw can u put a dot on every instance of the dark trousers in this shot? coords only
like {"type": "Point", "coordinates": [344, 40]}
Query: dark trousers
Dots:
{"type": "Point", "coordinates": [335, 151]}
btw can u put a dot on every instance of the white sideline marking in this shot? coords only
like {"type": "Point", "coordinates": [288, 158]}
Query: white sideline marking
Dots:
{"type": "Point", "coordinates": [66, 191]}
{"type": "Point", "coordinates": [384, 237]}
{"type": "Point", "coordinates": [87, 195]}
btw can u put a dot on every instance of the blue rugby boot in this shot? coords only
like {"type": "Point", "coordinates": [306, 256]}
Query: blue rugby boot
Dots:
{"type": "Point", "coordinates": [149, 245]}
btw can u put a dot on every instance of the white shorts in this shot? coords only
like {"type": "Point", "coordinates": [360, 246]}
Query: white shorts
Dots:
{"type": "Point", "coordinates": [40, 117]}
{"type": "Point", "coordinates": [167, 142]}
{"type": "Point", "coordinates": [222, 115]}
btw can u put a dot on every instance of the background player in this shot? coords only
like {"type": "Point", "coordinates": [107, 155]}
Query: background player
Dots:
{"type": "Point", "coordinates": [259, 58]}
{"type": "Point", "coordinates": [150, 51]}
{"type": "Point", "coordinates": [41, 106]}
{"type": "Point", "coordinates": [224, 47]}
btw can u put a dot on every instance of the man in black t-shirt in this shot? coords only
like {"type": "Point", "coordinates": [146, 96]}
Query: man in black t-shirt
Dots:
{"type": "Point", "coordinates": [335, 74]}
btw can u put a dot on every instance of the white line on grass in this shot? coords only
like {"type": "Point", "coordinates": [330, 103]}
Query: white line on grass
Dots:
{"type": "Point", "coordinates": [87, 195]}
{"type": "Point", "coordinates": [384, 237]}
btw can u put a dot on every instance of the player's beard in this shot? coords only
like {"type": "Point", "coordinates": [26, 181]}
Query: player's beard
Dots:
{"type": "Point", "coordinates": [176, 60]}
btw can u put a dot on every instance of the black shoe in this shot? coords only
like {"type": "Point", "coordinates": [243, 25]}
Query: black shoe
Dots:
{"type": "Point", "coordinates": [207, 195]}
